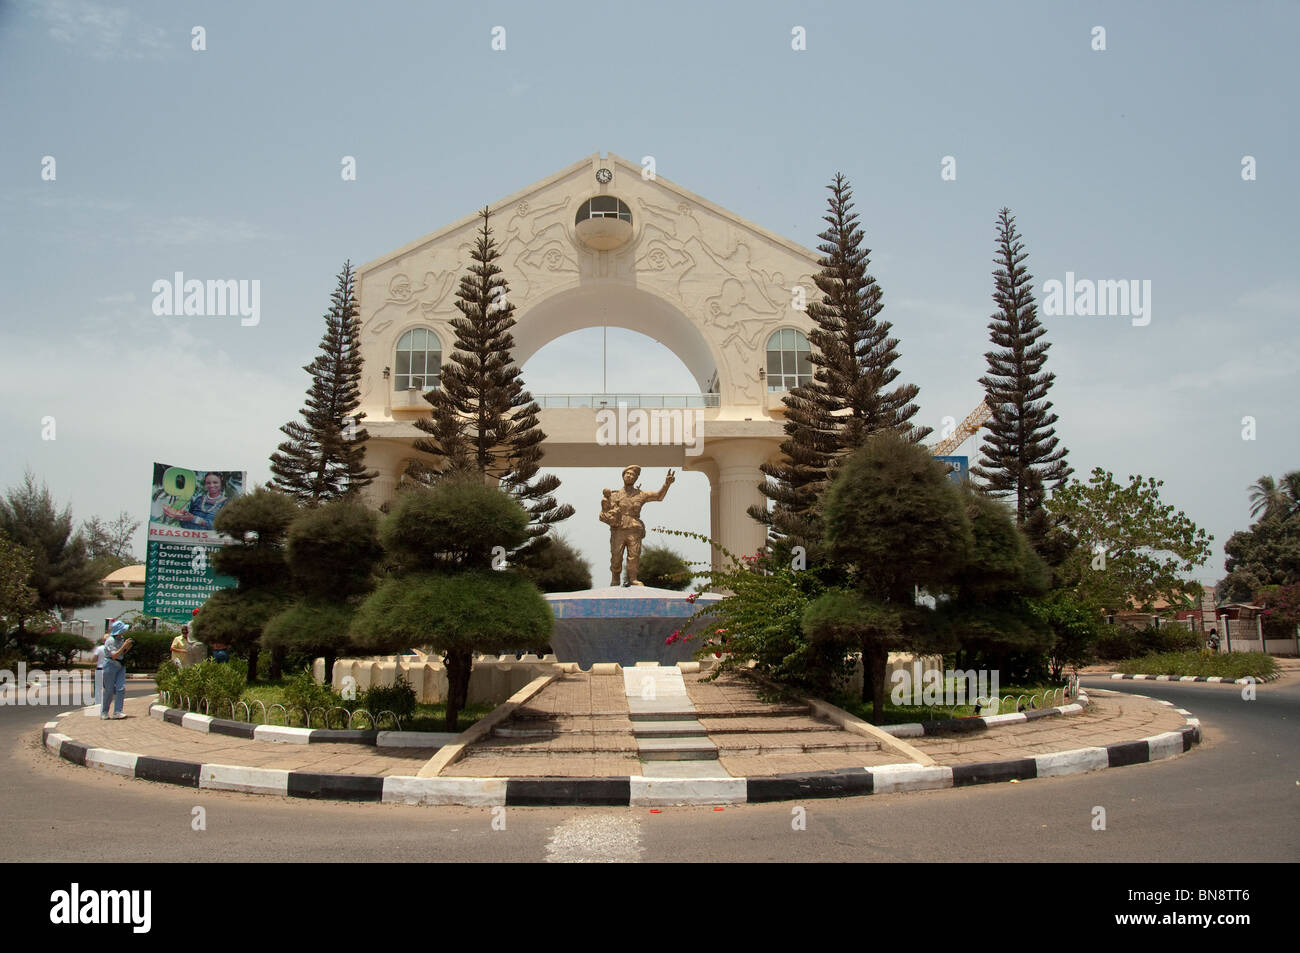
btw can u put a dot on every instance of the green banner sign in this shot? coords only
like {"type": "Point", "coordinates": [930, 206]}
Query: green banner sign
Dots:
{"type": "Point", "coordinates": [183, 508]}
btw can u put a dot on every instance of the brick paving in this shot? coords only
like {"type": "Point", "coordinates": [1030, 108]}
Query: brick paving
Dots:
{"type": "Point", "coordinates": [1108, 719]}
{"type": "Point", "coordinates": [589, 735]}
{"type": "Point", "coordinates": [586, 732]}
{"type": "Point", "coordinates": [578, 695]}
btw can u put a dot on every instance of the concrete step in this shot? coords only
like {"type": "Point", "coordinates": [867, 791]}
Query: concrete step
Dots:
{"type": "Point", "coordinates": [536, 715]}
{"type": "Point", "coordinates": [752, 711]}
{"type": "Point", "coordinates": [679, 728]}
{"type": "Point", "coordinates": [731, 726]}
{"type": "Point", "coordinates": [765, 747]}
{"type": "Point", "coordinates": [556, 730]}
{"type": "Point", "coordinates": [683, 769]}
{"type": "Point", "coordinates": [522, 749]}
{"type": "Point", "coordinates": [661, 709]}
{"type": "Point", "coordinates": [676, 749]}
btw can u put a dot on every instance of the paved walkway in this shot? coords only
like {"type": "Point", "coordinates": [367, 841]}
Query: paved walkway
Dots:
{"type": "Point", "coordinates": [761, 738]}
{"type": "Point", "coordinates": [1108, 719]}
{"type": "Point", "coordinates": [579, 726]}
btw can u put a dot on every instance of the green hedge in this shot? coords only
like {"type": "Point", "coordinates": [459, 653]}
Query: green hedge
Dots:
{"type": "Point", "coordinates": [219, 682]}
{"type": "Point", "coordinates": [1229, 665]}
{"type": "Point", "coordinates": [150, 649]}
{"type": "Point", "coordinates": [303, 691]}
{"type": "Point", "coordinates": [59, 649]}
{"type": "Point", "coordinates": [1119, 642]}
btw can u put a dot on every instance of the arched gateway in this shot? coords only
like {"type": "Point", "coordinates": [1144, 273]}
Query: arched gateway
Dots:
{"type": "Point", "coordinates": [599, 243]}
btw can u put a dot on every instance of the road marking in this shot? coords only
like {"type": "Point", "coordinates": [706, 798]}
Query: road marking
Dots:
{"type": "Point", "coordinates": [596, 838]}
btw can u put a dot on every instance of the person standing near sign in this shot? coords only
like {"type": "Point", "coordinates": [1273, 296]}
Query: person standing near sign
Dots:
{"type": "Point", "coordinates": [98, 655]}
{"type": "Point", "coordinates": [115, 649]}
{"type": "Point", "coordinates": [180, 648]}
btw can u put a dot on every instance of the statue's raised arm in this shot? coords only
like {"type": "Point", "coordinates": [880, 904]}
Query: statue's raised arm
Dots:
{"type": "Point", "coordinates": [663, 490]}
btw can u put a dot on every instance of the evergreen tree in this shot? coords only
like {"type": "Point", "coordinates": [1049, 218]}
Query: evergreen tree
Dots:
{"type": "Point", "coordinates": [237, 617]}
{"type": "Point", "coordinates": [323, 459]}
{"type": "Point", "coordinates": [331, 551]}
{"type": "Point", "coordinates": [849, 397]}
{"type": "Point", "coordinates": [1020, 456]}
{"type": "Point", "coordinates": [558, 568]}
{"type": "Point", "coordinates": [664, 568]}
{"type": "Point", "coordinates": [483, 421]}
{"type": "Point", "coordinates": [894, 522]}
{"type": "Point", "coordinates": [61, 573]}
{"type": "Point", "coordinates": [442, 590]}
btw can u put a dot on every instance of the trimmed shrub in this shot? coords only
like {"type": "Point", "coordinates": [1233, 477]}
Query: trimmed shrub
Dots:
{"type": "Point", "coordinates": [399, 699]}
{"type": "Point", "coordinates": [1228, 665]}
{"type": "Point", "coordinates": [663, 568]}
{"type": "Point", "coordinates": [456, 525]}
{"type": "Point", "coordinates": [311, 628]}
{"type": "Point", "coordinates": [558, 567]}
{"type": "Point", "coordinates": [484, 611]}
{"type": "Point", "coordinates": [166, 678]}
{"type": "Point", "coordinates": [59, 649]}
{"type": "Point", "coordinates": [149, 650]}
{"type": "Point", "coordinates": [221, 683]}
{"type": "Point", "coordinates": [303, 691]}
{"type": "Point", "coordinates": [332, 549]}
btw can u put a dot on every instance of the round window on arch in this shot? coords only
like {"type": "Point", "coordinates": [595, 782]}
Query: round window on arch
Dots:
{"type": "Point", "coordinates": [789, 360]}
{"type": "Point", "coordinates": [603, 206]}
{"type": "Point", "coordinates": [418, 361]}
{"type": "Point", "coordinates": [603, 222]}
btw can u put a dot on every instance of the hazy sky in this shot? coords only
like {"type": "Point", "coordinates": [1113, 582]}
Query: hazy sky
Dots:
{"type": "Point", "coordinates": [1119, 164]}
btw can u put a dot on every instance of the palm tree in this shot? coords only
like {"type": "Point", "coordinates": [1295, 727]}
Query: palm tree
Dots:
{"type": "Point", "coordinates": [1291, 491]}
{"type": "Point", "coordinates": [1268, 495]}
{"type": "Point", "coordinates": [1265, 495]}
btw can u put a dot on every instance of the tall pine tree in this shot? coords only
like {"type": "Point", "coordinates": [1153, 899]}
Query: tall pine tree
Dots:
{"type": "Point", "coordinates": [1020, 457]}
{"type": "Point", "coordinates": [483, 420]}
{"type": "Point", "coordinates": [849, 397]}
{"type": "Point", "coordinates": [324, 458]}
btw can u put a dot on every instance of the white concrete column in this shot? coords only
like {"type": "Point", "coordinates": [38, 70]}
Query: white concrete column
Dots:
{"type": "Point", "coordinates": [710, 469]}
{"type": "Point", "coordinates": [736, 490]}
{"type": "Point", "coordinates": [389, 459]}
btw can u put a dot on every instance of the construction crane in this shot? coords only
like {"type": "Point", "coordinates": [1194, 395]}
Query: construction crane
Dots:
{"type": "Point", "coordinates": [965, 430]}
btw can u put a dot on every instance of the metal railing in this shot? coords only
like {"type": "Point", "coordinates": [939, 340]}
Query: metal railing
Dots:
{"type": "Point", "coordinates": [351, 719]}
{"type": "Point", "coordinates": [631, 401]}
{"type": "Point", "coordinates": [1008, 704]}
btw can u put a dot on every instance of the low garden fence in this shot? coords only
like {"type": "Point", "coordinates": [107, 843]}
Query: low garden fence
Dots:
{"type": "Point", "coordinates": [1008, 704]}
{"type": "Point", "coordinates": [291, 716]}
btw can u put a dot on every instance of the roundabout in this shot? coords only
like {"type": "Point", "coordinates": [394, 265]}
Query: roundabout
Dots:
{"type": "Point", "coordinates": [621, 749]}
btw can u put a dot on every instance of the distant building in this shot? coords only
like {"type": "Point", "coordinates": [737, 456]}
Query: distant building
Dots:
{"type": "Point", "coordinates": [125, 583]}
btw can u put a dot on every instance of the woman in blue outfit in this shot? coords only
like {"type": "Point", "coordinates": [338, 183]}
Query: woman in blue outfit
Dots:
{"type": "Point", "coordinates": [115, 649]}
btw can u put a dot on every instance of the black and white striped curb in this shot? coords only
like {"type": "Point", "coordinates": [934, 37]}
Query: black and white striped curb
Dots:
{"type": "Point", "coordinates": [1249, 680]}
{"type": "Point", "coordinates": [301, 736]}
{"type": "Point", "coordinates": [620, 791]}
{"type": "Point", "coordinates": [955, 726]}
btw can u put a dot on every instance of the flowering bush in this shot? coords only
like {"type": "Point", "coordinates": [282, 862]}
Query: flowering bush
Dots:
{"type": "Point", "coordinates": [758, 620]}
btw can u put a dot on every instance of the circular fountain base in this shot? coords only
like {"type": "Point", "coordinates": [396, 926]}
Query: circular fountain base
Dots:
{"type": "Point", "coordinates": [623, 624]}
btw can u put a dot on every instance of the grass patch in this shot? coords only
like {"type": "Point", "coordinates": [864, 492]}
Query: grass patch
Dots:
{"type": "Point", "coordinates": [425, 718]}
{"type": "Point", "coordinates": [907, 714]}
{"type": "Point", "coordinates": [1230, 665]}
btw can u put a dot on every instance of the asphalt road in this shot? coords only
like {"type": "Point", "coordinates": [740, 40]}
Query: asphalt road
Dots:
{"type": "Point", "coordinates": [1234, 798]}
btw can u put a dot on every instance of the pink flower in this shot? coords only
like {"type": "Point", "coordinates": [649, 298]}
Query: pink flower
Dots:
{"type": "Point", "coordinates": [692, 597]}
{"type": "Point", "coordinates": [673, 638]}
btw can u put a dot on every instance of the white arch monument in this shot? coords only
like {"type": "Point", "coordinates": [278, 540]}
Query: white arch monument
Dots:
{"type": "Point", "coordinates": [646, 255]}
